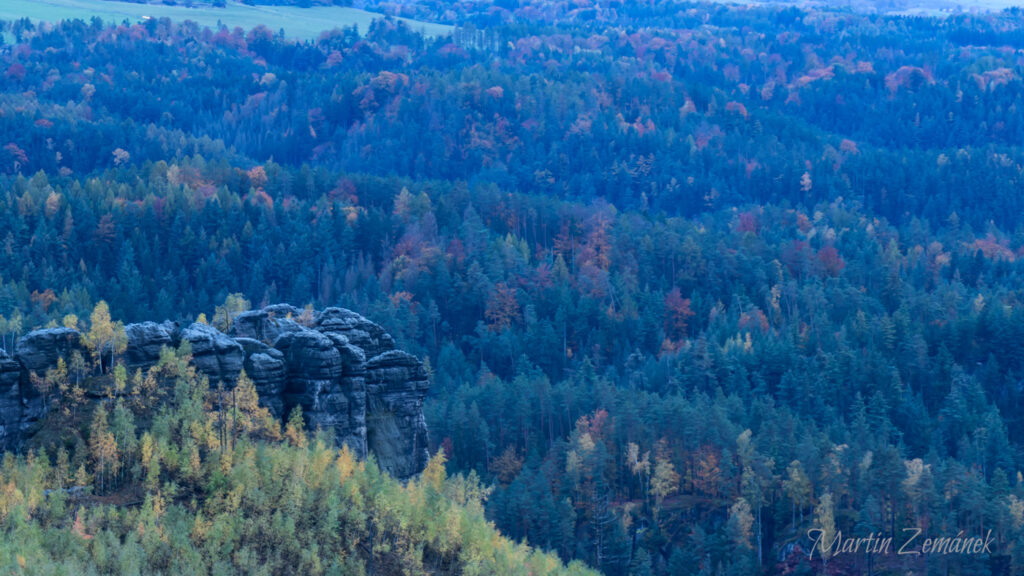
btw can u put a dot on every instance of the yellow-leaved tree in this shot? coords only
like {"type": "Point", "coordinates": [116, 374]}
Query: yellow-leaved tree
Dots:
{"type": "Point", "coordinates": [664, 483]}
{"type": "Point", "coordinates": [224, 315]}
{"type": "Point", "coordinates": [105, 336]}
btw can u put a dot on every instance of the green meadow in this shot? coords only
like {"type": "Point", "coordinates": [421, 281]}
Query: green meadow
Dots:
{"type": "Point", "coordinates": [302, 23]}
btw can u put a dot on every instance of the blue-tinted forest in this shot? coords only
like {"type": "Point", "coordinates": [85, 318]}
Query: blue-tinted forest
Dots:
{"type": "Point", "coordinates": [691, 279]}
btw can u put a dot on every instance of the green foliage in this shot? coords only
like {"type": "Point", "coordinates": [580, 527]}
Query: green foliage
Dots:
{"type": "Point", "coordinates": [233, 305]}
{"type": "Point", "coordinates": [177, 501]}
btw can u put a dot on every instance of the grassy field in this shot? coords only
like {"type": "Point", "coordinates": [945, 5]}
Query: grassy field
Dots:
{"type": "Point", "coordinates": [302, 23]}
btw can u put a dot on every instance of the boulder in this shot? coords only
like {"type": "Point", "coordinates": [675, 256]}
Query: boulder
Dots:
{"type": "Point", "coordinates": [309, 355]}
{"type": "Point", "coordinates": [353, 358]}
{"type": "Point", "coordinates": [214, 353]}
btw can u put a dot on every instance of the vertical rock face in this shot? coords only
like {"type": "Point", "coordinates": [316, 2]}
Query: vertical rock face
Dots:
{"type": "Point", "coordinates": [39, 350]}
{"type": "Point", "coordinates": [314, 380]}
{"type": "Point", "coordinates": [267, 368]}
{"type": "Point", "coordinates": [396, 384]}
{"type": "Point", "coordinates": [10, 397]}
{"type": "Point", "coordinates": [342, 369]}
{"type": "Point", "coordinates": [353, 386]}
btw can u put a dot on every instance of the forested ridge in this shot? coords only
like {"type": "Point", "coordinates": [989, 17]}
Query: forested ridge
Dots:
{"type": "Point", "coordinates": [163, 479]}
{"type": "Point", "coordinates": [691, 279]}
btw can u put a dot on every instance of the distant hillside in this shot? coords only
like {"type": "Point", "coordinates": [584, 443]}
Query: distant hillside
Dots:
{"type": "Point", "coordinates": [909, 7]}
{"type": "Point", "coordinates": [223, 3]}
{"type": "Point", "coordinates": [297, 22]}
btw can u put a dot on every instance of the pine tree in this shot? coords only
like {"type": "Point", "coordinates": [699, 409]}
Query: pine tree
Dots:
{"type": "Point", "coordinates": [798, 487]}
{"type": "Point", "coordinates": [57, 378]}
{"type": "Point", "coordinates": [123, 430]}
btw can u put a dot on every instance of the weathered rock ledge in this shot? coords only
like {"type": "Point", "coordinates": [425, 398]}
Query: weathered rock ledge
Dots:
{"type": "Point", "coordinates": [342, 369]}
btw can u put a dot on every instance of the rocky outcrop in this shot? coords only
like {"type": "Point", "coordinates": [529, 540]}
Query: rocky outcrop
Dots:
{"type": "Point", "coordinates": [267, 324]}
{"type": "Point", "coordinates": [314, 377]}
{"type": "Point", "coordinates": [359, 331]}
{"type": "Point", "coordinates": [396, 384]}
{"type": "Point", "coordinates": [214, 353]}
{"type": "Point", "coordinates": [266, 367]}
{"type": "Point", "coordinates": [37, 352]}
{"type": "Point", "coordinates": [145, 341]}
{"type": "Point", "coordinates": [340, 368]}
{"type": "Point", "coordinates": [10, 398]}
{"type": "Point", "coordinates": [353, 386]}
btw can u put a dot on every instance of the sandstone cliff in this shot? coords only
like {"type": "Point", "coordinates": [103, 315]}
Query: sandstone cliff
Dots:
{"type": "Point", "coordinates": [343, 370]}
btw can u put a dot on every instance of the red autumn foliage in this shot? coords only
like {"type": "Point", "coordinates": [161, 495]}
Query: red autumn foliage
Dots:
{"type": "Point", "coordinates": [831, 262]}
{"type": "Point", "coordinates": [677, 314]}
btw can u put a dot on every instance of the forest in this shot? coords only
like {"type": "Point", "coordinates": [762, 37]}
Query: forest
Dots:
{"type": "Point", "coordinates": [692, 280]}
{"type": "Point", "coordinates": [177, 496]}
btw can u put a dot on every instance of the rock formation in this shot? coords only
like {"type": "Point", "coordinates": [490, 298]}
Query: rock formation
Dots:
{"type": "Point", "coordinates": [37, 352]}
{"type": "Point", "coordinates": [265, 365]}
{"type": "Point", "coordinates": [10, 399]}
{"type": "Point", "coordinates": [342, 369]}
{"type": "Point", "coordinates": [145, 340]}
{"type": "Point", "coordinates": [215, 354]}
{"type": "Point", "coordinates": [394, 425]}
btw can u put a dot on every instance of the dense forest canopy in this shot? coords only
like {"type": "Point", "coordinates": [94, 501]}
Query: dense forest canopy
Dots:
{"type": "Point", "coordinates": [691, 279]}
{"type": "Point", "coordinates": [684, 110]}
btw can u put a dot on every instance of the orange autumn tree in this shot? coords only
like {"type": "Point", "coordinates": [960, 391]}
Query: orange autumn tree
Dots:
{"type": "Point", "coordinates": [677, 315]}
{"type": "Point", "coordinates": [502, 308]}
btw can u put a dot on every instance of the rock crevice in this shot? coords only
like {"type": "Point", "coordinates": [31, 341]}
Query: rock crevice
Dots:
{"type": "Point", "coordinates": [340, 368]}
